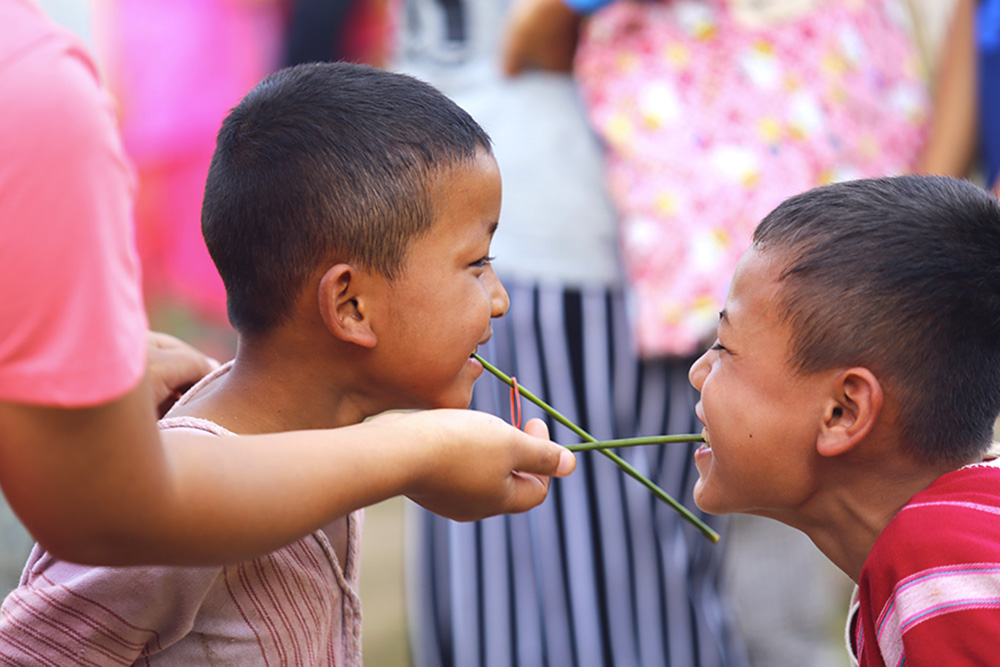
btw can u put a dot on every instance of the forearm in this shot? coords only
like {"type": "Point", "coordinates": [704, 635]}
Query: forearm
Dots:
{"type": "Point", "coordinates": [100, 486]}
{"type": "Point", "coordinates": [268, 490]}
{"type": "Point", "coordinates": [540, 34]}
{"type": "Point", "coordinates": [951, 142]}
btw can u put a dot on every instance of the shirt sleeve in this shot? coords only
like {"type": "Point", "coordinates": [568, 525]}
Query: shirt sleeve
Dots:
{"type": "Point", "coordinates": [67, 614]}
{"type": "Point", "coordinates": [931, 585]}
{"type": "Point", "coordinates": [72, 322]}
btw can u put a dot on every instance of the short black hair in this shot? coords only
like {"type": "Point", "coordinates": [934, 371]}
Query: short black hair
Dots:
{"type": "Point", "coordinates": [325, 159]}
{"type": "Point", "coordinates": [900, 275]}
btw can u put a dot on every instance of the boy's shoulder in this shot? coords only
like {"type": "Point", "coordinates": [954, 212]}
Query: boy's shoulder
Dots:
{"type": "Point", "coordinates": [966, 497]}
{"type": "Point", "coordinates": [955, 521]}
{"type": "Point", "coordinates": [939, 555]}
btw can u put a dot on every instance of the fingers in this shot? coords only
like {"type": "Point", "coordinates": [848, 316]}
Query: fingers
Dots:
{"type": "Point", "coordinates": [473, 465]}
{"type": "Point", "coordinates": [525, 492]}
{"type": "Point", "coordinates": [173, 365]}
{"type": "Point", "coordinates": [537, 428]}
{"type": "Point", "coordinates": [159, 342]}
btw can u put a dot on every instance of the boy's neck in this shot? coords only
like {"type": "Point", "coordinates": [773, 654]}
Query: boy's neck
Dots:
{"type": "Point", "coordinates": [845, 518]}
{"type": "Point", "coordinates": [280, 386]}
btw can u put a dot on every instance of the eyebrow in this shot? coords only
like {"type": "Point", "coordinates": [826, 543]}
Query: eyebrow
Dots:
{"type": "Point", "coordinates": [492, 227]}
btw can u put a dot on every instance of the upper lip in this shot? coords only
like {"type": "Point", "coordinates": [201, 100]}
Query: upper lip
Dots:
{"type": "Point", "coordinates": [485, 339]}
{"type": "Point", "coordinates": [700, 413]}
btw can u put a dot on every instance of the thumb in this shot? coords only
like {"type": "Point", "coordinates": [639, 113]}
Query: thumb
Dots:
{"type": "Point", "coordinates": [538, 460]}
{"type": "Point", "coordinates": [552, 459]}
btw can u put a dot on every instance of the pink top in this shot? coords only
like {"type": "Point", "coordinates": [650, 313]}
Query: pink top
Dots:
{"type": "Point", "coordinates": [293, 606]}
{"type": "Point", "coordinates": [72, 323]}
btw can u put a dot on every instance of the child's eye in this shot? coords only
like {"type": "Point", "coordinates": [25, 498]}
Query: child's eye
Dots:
{"type": "Point", "coordinates": [718, 347]}
{"type": "Point", "coordinates": [482, 262]}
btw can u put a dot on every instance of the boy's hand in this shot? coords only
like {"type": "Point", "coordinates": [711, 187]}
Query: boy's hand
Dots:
{"type": "Point", "coordinates": [479, 466]}
{"type": "Point", "coordinates": [173, 366]}
{"type": "Point", "coordinates": [541, 34]}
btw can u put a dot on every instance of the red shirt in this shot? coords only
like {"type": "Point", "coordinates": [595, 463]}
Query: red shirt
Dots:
{"type": "Point", "coordinates": [930, 589]}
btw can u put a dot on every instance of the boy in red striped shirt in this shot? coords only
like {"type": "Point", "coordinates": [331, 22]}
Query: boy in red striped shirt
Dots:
{"type": "Point", "coordinates": [852, 394]}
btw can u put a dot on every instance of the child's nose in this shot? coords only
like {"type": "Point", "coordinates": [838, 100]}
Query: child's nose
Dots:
{"type": "Point", "coordinates": [499, 299]}
{"type": "Point", "coordinates": [699, 371]}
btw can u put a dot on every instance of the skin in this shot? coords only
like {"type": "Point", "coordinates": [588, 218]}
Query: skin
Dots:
{"type": "Point", "coordinates": [951, 145]}
{"type": "Point", "coordinates": [173, 366]}
{"type": "Point", "coordinates": [820, 452]}
{"type": "Point", "coordinates": [540, 34]}
{"type": "Point", "coordinates": [101, 486]}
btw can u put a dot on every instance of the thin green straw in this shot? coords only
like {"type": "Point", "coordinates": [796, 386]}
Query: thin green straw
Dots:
{"type": "Point", "coordinates": [635, 442]}
{"type": "Point", "coordinates": [622, 463]}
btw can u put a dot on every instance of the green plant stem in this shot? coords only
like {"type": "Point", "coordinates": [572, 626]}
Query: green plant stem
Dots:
{"type": "Point", "coordinates": [622, 463]}
{"type": "Point", "coordinates": [635, 442]}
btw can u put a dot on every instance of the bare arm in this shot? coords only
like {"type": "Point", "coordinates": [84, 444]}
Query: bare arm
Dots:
{"type": "Point", "coordinates": [951, 145]}
{"type": "Point", "coordinates": [97, 485]}
{"type": "Point", "coordinates": [540, 34]}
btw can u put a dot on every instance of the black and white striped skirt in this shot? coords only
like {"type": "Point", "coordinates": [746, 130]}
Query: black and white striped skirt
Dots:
{"type": "Point", "coordinates": [601, 574]}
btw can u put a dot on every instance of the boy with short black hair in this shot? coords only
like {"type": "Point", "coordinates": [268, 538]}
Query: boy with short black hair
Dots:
{"type": "Point", "coordinates": [852, 393]}
{"type": "Point", "coordinates": [350, 213]}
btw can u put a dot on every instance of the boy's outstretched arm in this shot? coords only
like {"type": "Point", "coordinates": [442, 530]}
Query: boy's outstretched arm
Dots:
{"type": "Point", "coordinates": [91, 491]}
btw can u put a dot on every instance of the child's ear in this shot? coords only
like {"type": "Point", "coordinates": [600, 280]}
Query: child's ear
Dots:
{"type": "Point", "coordinates": [343, 305]}
{"type": "Point", "coordinates": [850, 412]}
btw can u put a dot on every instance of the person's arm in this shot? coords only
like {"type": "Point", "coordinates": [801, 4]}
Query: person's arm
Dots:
{"type": "Point", "coordinates": [540, 34]}
{"type": "Point", "coordinates": [95, 485]}
{"type": "Point", "coordinates": [951, 143]}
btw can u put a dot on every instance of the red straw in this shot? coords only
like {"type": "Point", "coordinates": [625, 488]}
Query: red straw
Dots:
{"type": "Point", "coordinates": [515, 403]}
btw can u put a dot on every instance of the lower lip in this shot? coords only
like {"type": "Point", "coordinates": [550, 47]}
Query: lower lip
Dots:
{"type": "Point", "coordinates": [475, 364]}
{"type": "Point", "coordinates": [702, 452]}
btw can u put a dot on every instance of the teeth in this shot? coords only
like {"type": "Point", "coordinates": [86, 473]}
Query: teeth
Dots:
{"type": "Point", "coordinates": [704, 434]}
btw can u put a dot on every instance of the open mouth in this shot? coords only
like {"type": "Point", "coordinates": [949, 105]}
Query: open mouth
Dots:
{"type": "Point", "coordinates": [704, 434]}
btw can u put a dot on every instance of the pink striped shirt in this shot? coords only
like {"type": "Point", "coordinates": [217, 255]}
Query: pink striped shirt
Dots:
{"type": "Point", "coordinates": [295, 606]}
{"type": "Point", "coordinates": [929, 592]}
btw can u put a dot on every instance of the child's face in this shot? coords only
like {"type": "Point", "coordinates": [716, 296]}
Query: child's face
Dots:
{"type": "Point", "coordinates": [761, 416]}
{"type": "Point", "coordinates": [439, 309]}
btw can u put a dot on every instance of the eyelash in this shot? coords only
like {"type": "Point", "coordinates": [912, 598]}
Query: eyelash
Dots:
{"type": "Point", "coordinates": [483, 262]}
{"type": "Point", "coordinates": [718, 347]}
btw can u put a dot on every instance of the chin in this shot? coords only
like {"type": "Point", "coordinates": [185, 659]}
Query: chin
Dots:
{"type": "Point", "coordinates": [707, 501]}
{"type": "Point", "coordinates": [456, 400]}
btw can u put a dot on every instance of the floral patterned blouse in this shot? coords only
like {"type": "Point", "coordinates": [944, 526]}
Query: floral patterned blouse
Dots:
{"type": "Point", "coordinates": [711, 117]}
